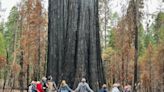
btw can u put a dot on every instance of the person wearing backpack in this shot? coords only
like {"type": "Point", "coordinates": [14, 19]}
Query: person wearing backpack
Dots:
{"type": "Point", "coordinates": [64, 87]}
{"type": "Point", "coordinates": [83, 86]}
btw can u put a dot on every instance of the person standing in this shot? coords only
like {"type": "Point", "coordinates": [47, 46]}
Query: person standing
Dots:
{"type": "Point", "coordinates": [127, 88]}
{"type": "Point", "coordinates": [32, 87]}
{"type": "Point", "coordinates": [51, 85]}
{"type": "Point", "coordinates": [64, 87]}
{"type": "Point", "coordinates": [104, 88]}
{"type": "Point", "coordinates": [39, 87]}
{"type": "Point", "coordinates": [44, 84]}
{"type": "Point", "coordinates": [83, 86]}
{"type": "Point", "coordinates": [115, 87]}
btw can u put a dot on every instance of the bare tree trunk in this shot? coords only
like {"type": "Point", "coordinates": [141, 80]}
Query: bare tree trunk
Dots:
{"type": "Point", "coordinates": [21, 74]}
{"type": "Point", "coordinates": [28, 74]}
{"type": "Point", "coordinates": [105, 43]}
{"type": "Point", "coordinates": [74, 42]}
{"type": "Point", "coordinates": [135, 23]}
{"type": "Point", "coordinates": [6, 70]}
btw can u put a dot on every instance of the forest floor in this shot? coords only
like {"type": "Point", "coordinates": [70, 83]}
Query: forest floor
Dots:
{"type": "Point", "coordinates": [9, 90]}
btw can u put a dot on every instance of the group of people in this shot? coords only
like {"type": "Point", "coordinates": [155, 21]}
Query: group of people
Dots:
{"type": "Point", "coordinates": [117, 88]}
{"type": "Point", "coordinates": [47, 85]}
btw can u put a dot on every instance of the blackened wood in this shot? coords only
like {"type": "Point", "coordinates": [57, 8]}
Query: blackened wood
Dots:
{"type": "Point", "coordinates": [74, 42]}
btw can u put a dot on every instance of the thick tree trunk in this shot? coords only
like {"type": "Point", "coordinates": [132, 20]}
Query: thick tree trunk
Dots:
{"type": "Point", "coordinates": [74, 42]}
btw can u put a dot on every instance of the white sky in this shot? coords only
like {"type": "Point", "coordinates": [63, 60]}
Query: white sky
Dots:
{"type": "Point", "coordinates": [7, 4]}
{"type": "Point", "coordinates": [152, 6]}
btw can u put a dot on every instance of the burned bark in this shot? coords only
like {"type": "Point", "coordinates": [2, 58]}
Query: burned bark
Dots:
{"type": "Point", "coordinates": [74, 42]}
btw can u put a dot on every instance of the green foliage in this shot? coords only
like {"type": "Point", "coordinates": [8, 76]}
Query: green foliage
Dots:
{"type": "Point", "coordinates": [2, 45]}
{"type": "Point", "coordinates": [155, 33]}
{"type": "Point", "coordinates": [161, 26]}
{"type": "Point", "coordinates": [112, 31]}
{"type": "Point", "coordinates": [1, 27]}
{"type": "Point", "coordinates": [161, 33]}
{"type": "Point", "coordinates": [11, 27]}
{"type": "Point", "coordinates": [2, 41]}
{"type": "Point", "coordinates": [114, 19]}
{"type": "Point", "coordinates": [141, 41]}
{"type": "Point", "coordinates": [107, 54]}
{"type": "Point", "coordinates": [112, 39]}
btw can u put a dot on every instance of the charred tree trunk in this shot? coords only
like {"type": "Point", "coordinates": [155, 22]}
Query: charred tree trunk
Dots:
{"type": "Point", "coordinates": [74, 42]}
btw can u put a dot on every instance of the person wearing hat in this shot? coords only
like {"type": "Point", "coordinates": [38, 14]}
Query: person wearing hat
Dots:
{"type": "Point", "coordinates": [64, 87]}
{"type": "Point", "coordinates": [104, 88]}
{"type": "Point", "coordinates": [115, 87]}
{"type": "Point", "coordinates": [83, 86]}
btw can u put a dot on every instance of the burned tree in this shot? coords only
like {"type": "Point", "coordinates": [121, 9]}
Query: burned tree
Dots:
{"type": "Point", "coordinates": [74, 42]}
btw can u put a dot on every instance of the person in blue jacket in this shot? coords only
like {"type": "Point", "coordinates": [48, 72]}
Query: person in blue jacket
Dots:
{"type": "Point", "coordinates": [64, 87]}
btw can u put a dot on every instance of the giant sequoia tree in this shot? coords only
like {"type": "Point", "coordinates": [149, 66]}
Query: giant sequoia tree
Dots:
{"type": "Point", "coordinates": [74, 42]}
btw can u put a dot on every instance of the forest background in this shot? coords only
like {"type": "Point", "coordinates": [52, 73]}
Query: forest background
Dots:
{"type": "Point", "coordinates": [23, 44]}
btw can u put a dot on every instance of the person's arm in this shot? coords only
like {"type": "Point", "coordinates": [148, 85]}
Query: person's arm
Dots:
{"type": "Point", "coordinates": [115, 90]}
{"type": "Point", "coordinates": [107, 90]}
{"type": "Point", "coordinates": [69, 88]}
{"type": "Point", "coordinates": [89, 89]}
{"type": "Point", "coordinates": [59, 89]}
{"type": "Point", "coordinates": [78, 87]}
{"type": "Point", "coordinates": [54, 85]}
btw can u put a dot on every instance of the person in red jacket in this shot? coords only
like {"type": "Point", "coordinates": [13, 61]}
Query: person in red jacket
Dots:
{"type": "Point", "coordinates": [39, 87]}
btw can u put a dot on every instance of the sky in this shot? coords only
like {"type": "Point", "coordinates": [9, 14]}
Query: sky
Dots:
{"type": "Point", "coordinates": [7, 5]}
{"type": "Point", "coordinates": [151, 7]}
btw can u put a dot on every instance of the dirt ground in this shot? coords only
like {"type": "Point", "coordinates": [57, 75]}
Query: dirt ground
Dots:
{"type": "Point", "coordinates": [9, 90]}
